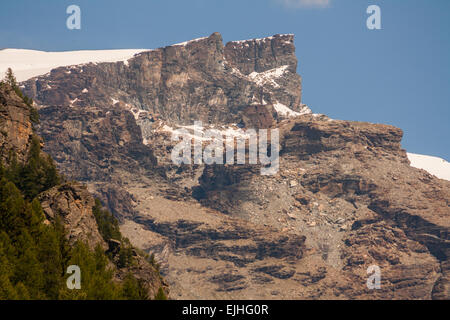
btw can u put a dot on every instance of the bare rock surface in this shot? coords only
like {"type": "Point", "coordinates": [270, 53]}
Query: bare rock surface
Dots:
{"type": "Point", "coordinates": [16, 129]}
{"type": "Point", "coordinates": [73, 204]}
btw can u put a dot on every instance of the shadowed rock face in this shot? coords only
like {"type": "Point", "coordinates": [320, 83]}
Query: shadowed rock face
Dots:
{"type": "Point", "coordinates": [345, 197]}
{"type": "Point", "coordinates": [95, 140]}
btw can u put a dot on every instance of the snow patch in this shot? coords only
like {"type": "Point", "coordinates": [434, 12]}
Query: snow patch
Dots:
{"type": "Point", "coordinates": [434, 165]}
{"type": "Point", "coordinates": [73, 101]}
{"type": "Point", "coordinates": [237, 72]}
{"type": "Point", "coordinates": [287, 112]}
{"type": "Point", "coordinates": [31, 63]}
{"type": "Point", "coordinates": [136, 111]}
{"type": "Point", "coordinates": [268, 77]}
{"type": "Point", "coordinates": [244, 42]}
{"type": "Point", "coordinates": [187, 42]}
{"type": "Point", "coordinates": [224, 132]}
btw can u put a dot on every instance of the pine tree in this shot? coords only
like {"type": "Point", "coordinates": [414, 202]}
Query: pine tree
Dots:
{"type": "Point", "coordinates": [108, 226]}
{"type": "Point", "coordinates": [2, 171]}
{"type": "Point", "coordinates": [22, 292]}
{"type": "Point", "coordinates": [29, 270]}
{"type": "Point", "coordinates": [52, 261]}
{"type": "Point", "coordinates": [52, 177]}
{"type": "Point", "coordinates": [134, 289]}
{"type": "Point", "coordinates": [10, 78]}
{"type": "Point", "coordinates": [12, 208]}
{"type": "Point", "coordinates": [12, 81]}
{"type": "Point", "coordinates": [37, 175]}
{"type": "Point", "coordinates": [7, 290]}
{"type": "Point", "coordinates": [96, 277]}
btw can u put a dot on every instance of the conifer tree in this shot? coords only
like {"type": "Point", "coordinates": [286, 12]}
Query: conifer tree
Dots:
{"type": "Point", "coordinates": [134, 289]}
{"type": "Point", "coordinates": [10, 78]}
{"type": "Point", "coordinates": [12, 81]}
{"type": "Point", "coordinates": [7, 290]}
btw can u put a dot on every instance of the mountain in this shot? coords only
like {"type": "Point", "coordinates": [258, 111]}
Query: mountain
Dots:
{"type": "Point", "coordinates": [345, 196]}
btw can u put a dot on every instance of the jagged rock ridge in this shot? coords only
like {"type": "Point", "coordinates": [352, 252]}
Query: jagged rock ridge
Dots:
{"type": "Point", "coordinates": [201, 79]}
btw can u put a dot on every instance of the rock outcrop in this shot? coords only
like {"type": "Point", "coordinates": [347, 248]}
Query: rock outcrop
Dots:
{"type": "Point", "coordinates": [94, 139]}
{"type": "Point", "coordinates": [16, 129]}
{"type": "Point", "coordinates": [72, 204]}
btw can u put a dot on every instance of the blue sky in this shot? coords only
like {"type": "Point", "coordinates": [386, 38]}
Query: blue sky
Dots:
{"type": "Point", "coordinates": [399, 75]}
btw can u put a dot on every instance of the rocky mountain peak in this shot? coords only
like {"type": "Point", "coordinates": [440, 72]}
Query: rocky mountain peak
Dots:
{"type": "Point", "coordinates": [199, 79]}
{"type": "Point", "coordinates": [260, 55]}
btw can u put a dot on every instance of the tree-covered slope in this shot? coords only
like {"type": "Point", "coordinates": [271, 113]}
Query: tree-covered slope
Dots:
{"type": "Point", "coordinates": [36, 248]}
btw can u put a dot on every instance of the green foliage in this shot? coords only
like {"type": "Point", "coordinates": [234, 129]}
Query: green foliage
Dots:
{"type": "Point", "coordinates": [52, 261]}
{"type": "Point", "coordinates": [125, 256]}
{"type": "Point", "coordinates": [108, 226]}
{"type": "Point", "coordinates": [29, 249]}
{"type": "Point", "coordinates": [161, 295]}
{"type": "Point", "coordinates": [7, 289]}
{"type": "Point", "coordinates": [37, 175]}
{"type": "Point", "coordinates": [134, 289]}
{"type": "Point", "coordinates": [34, 256]}
{"type": "Point", "coordinates": [10, 78]}
{"type": "Point", "coordinates": [96, 276]}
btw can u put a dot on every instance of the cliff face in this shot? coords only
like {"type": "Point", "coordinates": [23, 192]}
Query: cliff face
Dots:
{"type": "Point", "coordinates": [345, 197]}
{"type": "Point", "coordinates": [260, 55]}
{"type": "Point", "coordinates": [15, 126]}
{"type": "Point", "coordinates": [200, 79]}
{"type": "Point", "coordinates": [99, 114]}
{"type": "Point", "coordinates": [93, 139]}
